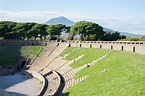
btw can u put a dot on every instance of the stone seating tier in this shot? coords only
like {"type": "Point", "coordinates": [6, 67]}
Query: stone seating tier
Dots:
{"type": "Point", "coordinates": [53, 84]}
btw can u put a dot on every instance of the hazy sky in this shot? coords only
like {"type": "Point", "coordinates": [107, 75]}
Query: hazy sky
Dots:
{"type": "Point", "coordinates": [119, 15]}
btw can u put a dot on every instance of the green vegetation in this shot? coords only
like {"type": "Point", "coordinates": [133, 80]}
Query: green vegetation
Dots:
{"type": "Point", "coordinates": [83, 29]}
{"type": "Point", "coordinates": [26, 51]}
{"type": "Point", "coordinates": [86, 30]}
{"type": "Point", "coordinates": [54, 30]}
{"type": "Point", "coordinates": [10, 54]}
{"type": "Point", "coordinates": [91, 31]}
{"type": "Point", "coordinates": [134, 39]}
{"type": "Point", "coordinates": [89, 55]}
{"type": "Point", "coordinates": [124, 76]}
{"type": "Point", "coordinates": [68, 50]}
{"type": "Point", "coordinates": [29, 30]}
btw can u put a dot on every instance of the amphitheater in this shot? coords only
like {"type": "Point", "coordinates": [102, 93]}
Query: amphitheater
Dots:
{"type": "Point", "coordinates": [54, 72]}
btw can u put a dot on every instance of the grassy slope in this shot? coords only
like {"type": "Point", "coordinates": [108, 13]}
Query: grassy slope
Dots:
{"type": "Point", "coordinates": [10, 54]}
{"type": "Point", "coordinates": [30, 50]}
{"type": "Point", "coordinates": [125, 74]}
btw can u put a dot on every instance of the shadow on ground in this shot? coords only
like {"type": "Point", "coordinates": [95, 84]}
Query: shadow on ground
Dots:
{"type": "Point", "coordinates": [11, 80]}
{"type": "Point", "coordinates": [17, 94]}
{"type": "Point", "coordinates": [65, 94]}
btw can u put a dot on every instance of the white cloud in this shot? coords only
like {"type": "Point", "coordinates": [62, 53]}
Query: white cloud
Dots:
{"type": "Point", "coordinates": [39, 17]}
{"type": "Point", "coordinates": [136, 26]}
{"type": "Point", "coordinates": [26, 16]}
{"type": "Point", "coordinates": [124, 25]}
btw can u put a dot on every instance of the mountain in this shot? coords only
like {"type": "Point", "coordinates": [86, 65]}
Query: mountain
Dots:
{"type": "Point", "coordinates": [60, 20]}
{"type": "Point", "coordinates": [108, 30]}
{"type": "Point", "coordinates": [67, 22]}
{"type": "Point", "coordinates": [131, 34]}
{"type": "Point", "coordinates": [123, 33]}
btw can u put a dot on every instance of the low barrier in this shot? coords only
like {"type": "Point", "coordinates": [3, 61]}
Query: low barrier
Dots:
{"type": "Point", "coordinates": [59, 79]}
{"type": "Point", "coordinates": [38, 76]}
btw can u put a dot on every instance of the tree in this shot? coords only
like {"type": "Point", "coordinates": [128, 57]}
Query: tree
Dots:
{"type": "Point", "coordinates": [38, 29]}
{"type": "Point", "coordinates": [55, 30]}
{"type": "Point", "coordinates": [6, 29]}
{"type": "Point", "coordinates": [73, 32]}
{"type": "Point", "coordinates": [113, 36]}
{"type": "Point", "coordinates": [142, 38]}
{"type": "Point", "coordinates": [51, 31]}
{"type": "Point", "coordinates": [20, 31]}
{"type": "Point", "coordinates": [2, 30]}
{"type": "Point", "coordinates": [84, 29]}
{"type": "Point", "coordinates": [29, 26]}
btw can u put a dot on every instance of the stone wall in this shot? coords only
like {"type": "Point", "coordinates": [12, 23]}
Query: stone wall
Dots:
{"type": "Point", "coordinates": [6, 72]}
{"type": "Point", "coordinates": [11, 69]}
{"type": "Point", "coordinates": [21, 42]}
{"type": "Point", "coordinates": [132, 46]}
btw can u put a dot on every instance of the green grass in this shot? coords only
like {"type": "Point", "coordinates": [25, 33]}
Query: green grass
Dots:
{"type": "Point", "coordinates": [89, 55]}
{"type": "Point", "coordinates": [26, 51]}
{"type": "Point", "coordinates": [10, 54]}
{"type": "Point", "coordinates": [125, 74]}
{"type": "Point", "coordinates": [69, 49]}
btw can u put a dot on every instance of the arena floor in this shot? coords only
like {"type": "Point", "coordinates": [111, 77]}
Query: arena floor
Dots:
{"type": "Point", "coordinates": [20, 85]}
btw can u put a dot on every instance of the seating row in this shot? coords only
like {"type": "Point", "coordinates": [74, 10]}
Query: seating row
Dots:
{"type": "Point", "coordinates": [73, 82]}
{"type": "Point", "coordinates": [54, 81]}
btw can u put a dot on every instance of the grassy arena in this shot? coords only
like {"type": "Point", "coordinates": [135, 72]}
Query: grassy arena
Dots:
{"type": "Point", "coordinates": [125, 74]}
{"type": "Point", "coordinates": [10, 54]}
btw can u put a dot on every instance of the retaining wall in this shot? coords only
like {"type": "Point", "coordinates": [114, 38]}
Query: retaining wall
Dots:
{"type": "Point", "coordinates": [38, 76]}
{"type": "Point", "coordinates": [21, 42]}
{"type": "Point", "coordinates": [132, 46]}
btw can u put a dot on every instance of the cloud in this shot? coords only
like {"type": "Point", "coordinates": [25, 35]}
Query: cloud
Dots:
{"type": "Point", "coordinates": [39, 17]}
{"type": "Point", "coordinates": [26, 16]}
{"type": "Point", "coordinates": [136, 26]}
{"type": "Point", "coordinates": [122, 25]}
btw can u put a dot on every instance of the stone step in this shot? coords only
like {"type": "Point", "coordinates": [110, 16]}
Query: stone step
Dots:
{"type": "Point", "coordinates": [64, 69]}
{"type": "Point", "coordinates": [58, 62]}
{"type": "Point", "coordinates": [58, 50]}
{"type": "Point", "coordinates": [45, 71]}
{"type": "Point", "coordinates": [73, 82]}
{"type": "Point", "coordinates": [69, 76]}
{"type": "Point", "coordinates": [53, 84]}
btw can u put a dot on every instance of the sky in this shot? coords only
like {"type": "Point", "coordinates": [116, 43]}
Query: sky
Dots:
{"type": "Point", "coordinates": [119, 15]}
